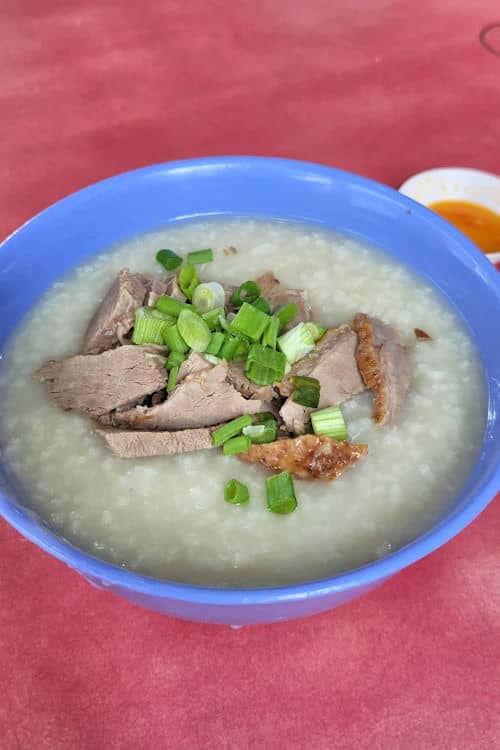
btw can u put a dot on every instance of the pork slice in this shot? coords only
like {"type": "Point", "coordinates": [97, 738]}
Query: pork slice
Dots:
{"type": "Point", "coordinates": [307, 456]}
{"type": "Point", "coordinates": [238, 379]}
{"type": "Point", "coordinates": [333, 363]}
{"type": "Point", "coordinates": [201, 400]}
{"type": "Point", "coordinates": [95, 384]}
{"type": "Point", "coordinates": [114, 318]}
{"type": "Point", "coordinates": [384, 363]}
{"type": "Point", "coordinates": [277, 295]}
{"type": "Point", "coordinates": [193, 365]}
{"type": "Point", "coordinates": [156, 287]}
{"type": "Point", "coordinates": [143, 443]}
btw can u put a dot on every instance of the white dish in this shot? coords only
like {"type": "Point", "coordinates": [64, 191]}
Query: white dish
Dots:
{"type": "Point", "coordinates": [455, 183]}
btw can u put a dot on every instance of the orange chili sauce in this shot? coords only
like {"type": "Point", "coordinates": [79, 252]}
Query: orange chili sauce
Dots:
{"type": "Point", "coordinates": [480, 224]}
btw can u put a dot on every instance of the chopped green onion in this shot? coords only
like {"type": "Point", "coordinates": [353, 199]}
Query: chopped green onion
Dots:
{"type": "Point", "coordinates": [306, 391]}
{"type": "Point", "coordinates": [236, 493]}
{"type": "Point", "coordinates": [264, 366]}
{"type": "Point", "coordinates": [271, 333]}
{"type": "Point", "coordinates": [265, 417]}
{"type": "Point", "coordinates": [168, 259]}
{"type": "Point", "coordinates": [211, 318]}
{"type": "Point", "coordinates": [316, 330]}
{"type": "Point", "coordinates": [172, 379]}
{"type": "Point", "coordinates": [330, 422]}
{"type": "Point", "coordinates": [286, 314]}
{"type": "Point", "coordinates": [175, 359]}
{"type": "Point", "coordinates": [171, 306]}
{"type": "Point", "coordinates": [281, 493]}
{"type": "Point", "coordinates": [208, 296]}
{"type": "Point", "coordinates": [150, 325]}
{"type": "Point", "coordinates": [200, 256]}
{"type": "Point", "coordinates": [250, 322]}
{"type": "Point", "coordinates": [231, 429]}
{"type": "Point", "coordinates": [262, 304]}
{"type": "Point", "coordinates": [188, 280]}
{"type": "Point", "coordinates": [261, 433]}
{"type": "Point", "coordinates": [224, 322]}
{"type": "Point", "coordinates": [235, 445]}
{"type": "Point", "coordinates": [241, 351]}
{"type": "Point", "coordinates": [247, 292]}
{"type": "Point", "coordinates": [212, 359]}
{"type": "Point", "coordinates": [174, 340]}
{"type": "Point", "coordinates": [216, 341]}
{"type": "Point", "coordinates": [229, 347]}
{"type": "Point", "coordinates": [296, 343]}
{"type": "Point", "coordinates": [194, 330]}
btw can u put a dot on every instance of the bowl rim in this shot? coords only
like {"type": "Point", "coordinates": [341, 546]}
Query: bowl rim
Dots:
{"type": "Point", "coordinates": [109, 575]}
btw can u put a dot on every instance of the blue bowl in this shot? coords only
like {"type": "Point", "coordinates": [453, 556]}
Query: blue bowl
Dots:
{"type": "Point", "coordinates": [114, 210]}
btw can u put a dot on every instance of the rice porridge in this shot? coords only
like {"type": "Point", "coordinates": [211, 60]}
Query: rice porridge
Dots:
{"type": "Point", "coordinates": [166, 516]}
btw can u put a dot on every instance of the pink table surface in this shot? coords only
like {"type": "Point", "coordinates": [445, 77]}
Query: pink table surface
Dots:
{"type": "Point", "coordinates": [385, 88]}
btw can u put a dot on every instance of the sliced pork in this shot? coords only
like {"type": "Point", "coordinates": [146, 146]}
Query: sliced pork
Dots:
{"type": "Point", "coordinates": [237, 378]}
{"type": "Point", "coordinates": [333, 363]}
{"type": "Point", "coordinates": [307, 456]}
{"type": "Point", "coordinates": [114, 318]}
{"type": "Point", "coordinates": [95, 384]}
{"type": "Point", "coordinates": [202, 399]}
{"type": "Point", "coordinates": [278, 295]}
{"type": "Point", "coordinates": [384, 363]}
{"type": "Point", "coordinates": [143, 443]}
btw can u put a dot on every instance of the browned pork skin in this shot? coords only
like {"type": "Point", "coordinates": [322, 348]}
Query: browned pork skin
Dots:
{"type": "Point", "coordinates": [307, 456]}
{"type": "Point", "coordinates": [384, 364]}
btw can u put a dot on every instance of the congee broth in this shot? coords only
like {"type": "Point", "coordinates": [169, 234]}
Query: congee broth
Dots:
{"type": "Point", "coordinates": [413, 404]}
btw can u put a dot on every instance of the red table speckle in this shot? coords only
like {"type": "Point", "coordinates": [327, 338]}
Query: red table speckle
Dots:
{"type": "Point", "coordinates": [385, 88]}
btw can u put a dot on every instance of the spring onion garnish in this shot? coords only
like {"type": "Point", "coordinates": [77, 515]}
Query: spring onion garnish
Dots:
{"type": "Point", "coordinates": [215, 345]}
{"type": "Point", "coordinates": [296, 343]}
{"type": "Point", "coordinates": [250, 322]}
{"type": "Point", "coordinates": [212, 359]}
{"type": "Point", "coordinates": [172, 379]}
{"type": "Point", "coordinates": [241, 351]}
{"type": "Point", "coordinates": [236, 493]}
{"type": "Point", "coordinates": [168, 259]}
{"type": "Point", "coordinates": [193, 330]}
{"type": "Point", "coordinates": [265, 432]}
{"type": "Point", "coordinates": [264, 366]}
{"type": "Point", "coordinates": [174, 340]}
{"type": "Point", "coordinates": [247, 292]}
{"type": "Point", "coordinates": [208, 296]}
{"type": "Point", "coordinates": [262, 304]}
{"type": "Point", "coordinates": [305, 391]}
{"type": "Point", "coordinates": [212, 318]}
{"type": "Point", "coordinates": [171, 306]}
{"type": "Point", "coordinates": [235, 445]}
{"type": "Point", "coordinates": [150, 325]}
{"type": "Point", "coordinates": [229, 347]}
{"type": "Point", "coordinates": [175, 359]}
{"type": "Point", "coordinates": [231, 429]}
{"type": "Point", "coordinates": [286, 314]}
{"type": "Point", "coordinates": [281, 493]}
{"type": "Point", "coordinates": [316, 330]}
{"type": "Point", "coordinates": [200, 256]}
{"type": "Point", "coordinates": [271, 333]}
{"type": "Point", "coordinates": [330, 422]}
{"type": "Point", "coordinates": [188, 280]}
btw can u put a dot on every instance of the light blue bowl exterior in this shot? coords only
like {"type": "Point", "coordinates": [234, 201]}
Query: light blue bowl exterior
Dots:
{"type": "Point", "coordinates": [71, 231]}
